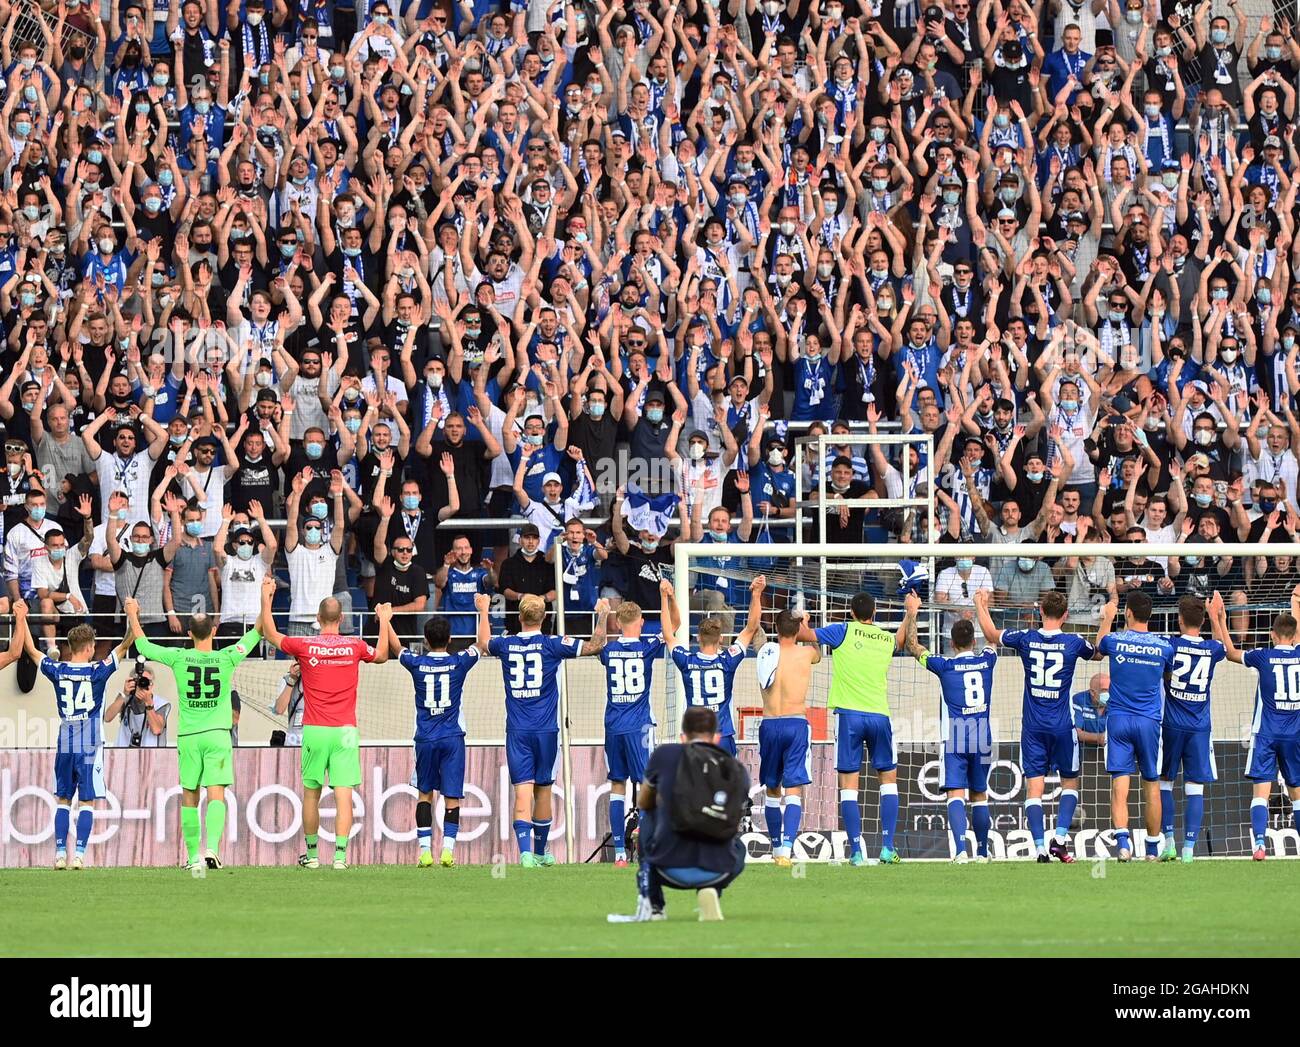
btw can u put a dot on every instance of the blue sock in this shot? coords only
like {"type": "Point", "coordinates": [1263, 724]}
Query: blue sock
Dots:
{"type": "Point", "coordinates": [851, 812]}
{"type": "Point", "coordinates": [957, 824]}
{"type": "Point", "coordinates": [62, 819]}
{"type": "Point", "coordinates": [85, 819]}
{"type": "Point", "coordinates": [450, 827]}
{"type": "Point", "coordinates": [1123, 842]}
{"type": "Point", "coordinates": [1153, 845]}
{"type": "Point", "coordinates": [888, 814]}
{"type": "Point", "coordinates": [981, 821]}
{"type": "Point", "coordinates": [772, 816]}
{"type": "Point", "coordinates": [523, 835]}
{"type": "Point", "coordinates": [1034, 816]}
{"type": "Point", "coordinates": [541, 830]}
{"type": "Point", "coordinates": [1065, 813]}
{"type": "Point", "coordinates": [1167, 813]}
{"type": "Point", "coordinates": [616, 821]}
{"type": "Point", "coordinates": [1195, 813]}
{"type": "Point", "coordinates": [793, 812]}
{"type": "Point", "coordinates": [424, 834]}
{"type": "Point", "coordinates": [1259, 820]}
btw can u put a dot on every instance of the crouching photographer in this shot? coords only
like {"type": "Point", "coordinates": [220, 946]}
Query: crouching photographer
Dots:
{"type": "Point", "coordinates": [144, 715]}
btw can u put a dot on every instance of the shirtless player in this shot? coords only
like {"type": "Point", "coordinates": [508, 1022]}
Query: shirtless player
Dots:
{"type": "Point", "coordinates": [785, 737]}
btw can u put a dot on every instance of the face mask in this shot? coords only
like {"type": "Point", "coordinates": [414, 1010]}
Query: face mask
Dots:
{"type": "Point", "coordinates": [787, 229]}
{"type": "Point", "coordinates": [142, 108]}
{"type": "Point", "coordinates": [1228, 356]}
{"type": "Point", "coordinates": [965, 565]}
{"type": "Point", "coordinates": [1203, 500]}
{"type": "Point", "coordinates": [951, 196]}
{"type": "Point", "coordinates": [884, 305]}
{"type": "Point", "coordinates": [434, 381]}
{"type": "Point", "coordinates": [312, 535]}
{"type": "Point", "coordinates": [1219, 36]}
{"type": "Point", "coordinates": [473, 332]}
{"type": "Point", "coordinates": [1116, 316]}
{"type": "Point", "coordinates": [244, 552]}
{"type": "Point", "coordinates": [29, 93]}
{"type": "Point", "coordinates": [649, 544]}
{"type": "Point", "coordinates": [319, 510]}
{"type": "Point", "coordinates": [879, 134]}
{"type": "Point", "coordinates": [351, 252]}
{"type": "Point", "coordinates": [1219, 294]}
{"type": "Point", "coordinates": [880, 184]}
{"type": "Point", "coordinates": [719, 92]}
{"type": "Point", "coordinates": [533, 439]}
{"type": "Point", "coordinates": [738, 199]}
{"type": "Point", "coordinates": [719, 536]}
{"type": "Point", "coordinates": [839, 488]}
{"type": "Point", "coordinates": [826, 271]}
{"type": "Point", "coordinates": [1034, 478]}
{"type": "Point", "coordinates": [1170, 180]}
{"type": "Point", "coordinates": [596, 410]}
{"type": "Point", "coordinates": [337, 72]}
{"type": "Point", "coordinates": [783, 280]}
{"type": "Point", "coordinates": [202, 106]}
{"type": "Point", "coordinates": [57, 555]}
{"type": "Point", "coordinates": [1267, 505]}
{"type": "Point", "coordinates": [37, 513]}
{"type": "Point", "coordinates": [1002, 119]}
{"type": "Point", "coordinates": [1264, 295]}
{"type": "Point", "coordinates": [1008, 195]}
{"type": "Point", "coordinates": [1069, 406]}
{"type": "Point", "coordinates": [744, 168]}
{"type": "Point", "coordinates": [23, 128]}
{"type": "Point", "coordinates": [1272, 53]}
{"type": "Point", "coordinates": [194, 528]}
{"type": "Point", "coordinates": [314, 451]}
{"type": "Point", "coordinates": [353, 425]}
{"type": "Point", "coordinates": [655, 414]}
{"type": "Point", "coordinates": [1025, 564]}
{"type": "Point", "coordinates": [1192, 561]}
{"type": "Point", "coordinates": [410, 501]}
{"type": "Point", "coordinates": [380, 19]}
{"type": "Point", "coordinates": [141, 548]}
{"type": "Point", "coordinates": [27, 300]}
{"type": "Point", "coordinates": [106, 245]}
{"type": "Point", "coordinates": [1204, 438]}
{"type": "Point", "coordinates": [696, 452]}
{"type": "Point", "coordinates": [95, 156]}
{"type": "Point", "coordinates": [153, 204]}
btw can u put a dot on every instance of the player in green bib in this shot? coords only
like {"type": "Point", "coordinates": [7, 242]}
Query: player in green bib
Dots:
{"type": "Point", "coordinates": [204, 718]}
{"type": "Point", "coordinates": [861, 654]}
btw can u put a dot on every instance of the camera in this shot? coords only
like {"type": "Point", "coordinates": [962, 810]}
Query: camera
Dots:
{"type": "Point", "coordinates": [140, 680]}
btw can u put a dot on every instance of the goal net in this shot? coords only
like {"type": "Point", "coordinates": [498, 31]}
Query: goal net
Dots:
{"type": "Point", "coordinates": [1256, 583]}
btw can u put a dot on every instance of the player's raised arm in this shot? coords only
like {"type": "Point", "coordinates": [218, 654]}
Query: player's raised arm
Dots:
{"type": "Point", "coordinates": [988, 630]}
{"type": "Point", "coordinates": [22, 638]}
{"type": "Point", "coordinates": [134, 631]}
{"type": "Point", "coordinates": [597, 642]}
{"type": "Point", "coordinates": [755, 619]}
{"type": "Point", "coordinates": [483, 604]}
{"type": "Point", "coordinates": [384, 613]}
{"type": "Point", "coordinates": [669, 616]}
{"type": "Point", "coordinates": [1107, 619]}
{"type": "Point", "coordinates": [1219, 626]}
{"type": "Point", "coordinates": [906, 637]}
{"type": "Point", "coordinates": [266, 622]}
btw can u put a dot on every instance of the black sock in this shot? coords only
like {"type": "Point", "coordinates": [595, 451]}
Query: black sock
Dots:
{"type": "Point", "coordinates": [423, 814]}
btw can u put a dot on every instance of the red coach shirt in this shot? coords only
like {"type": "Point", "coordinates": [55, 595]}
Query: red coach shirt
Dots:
{"type": "Point", "coordinates": [329, 676]}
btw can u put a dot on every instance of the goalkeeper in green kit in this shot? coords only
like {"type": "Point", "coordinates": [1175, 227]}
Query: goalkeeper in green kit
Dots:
{"type": "Point", "coordinates": [203, 745]}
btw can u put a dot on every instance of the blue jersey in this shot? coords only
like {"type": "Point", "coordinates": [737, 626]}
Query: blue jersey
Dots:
{"type": "Point", "coordinates": [79, 695]}
{"type": "Point", "coordinates": [1138, 662]}
{"type": "Point", "coordinates": [439, 680]}
{"type": "Point", "coordinates": [458, 595]}
{"type": "Point", "coordinates": [530, 663]}
{"type": "Point", "coordinates": [708, 679]}
{"type": "Point", "coordinates": [1277, 699]}
{"type": "Point", "coordinates": [1049, 657]}
{"type": "Point", "coordinates": [629, 669]}
{"type": "Point", "coordinates": [1190, 671]}
{"type": "Point", "coordinates": [717, 572]}
{"type": "Point", "coordinates": [965, 684]}
{"type": "Point", "coordinates": [581, 577]}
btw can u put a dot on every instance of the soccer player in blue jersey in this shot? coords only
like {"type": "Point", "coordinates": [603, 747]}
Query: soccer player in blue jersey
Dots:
{"type": "Point", "coordinates": [629, 661]}
{"type": "Point", "coordinates": [439, 679]}
{"type": "Point", "coordinates": [79, 692]}
{"type": "Point", "coordinates": [459, 583]}
{"type": "Point", "coordinates": [708, 670]}
{"type": "Point", "coordinates": [966, 738]}
{"type": "Point", "coordinates": [1186, 728]}
{"type": "Point", "coordinates": [530, 663]}
{"type": "Point", "coordinates": [1138, 663]}
{"type": "Point", "coordinates": [1275, 730]}
{"type": "Point", "coordinates": [1048, 742]}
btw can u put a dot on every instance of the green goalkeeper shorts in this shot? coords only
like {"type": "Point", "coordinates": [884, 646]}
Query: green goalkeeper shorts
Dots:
{"type": "Point", "coordinates": [205, 759]}
{"type": "Point", "coordinates": [332, 750]}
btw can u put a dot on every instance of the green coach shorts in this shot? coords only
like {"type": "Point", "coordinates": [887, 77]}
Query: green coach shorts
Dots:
{"type": "Point", "coordinates": [332, 750]}
{"type": "Point", "coordinates": [205, 759]}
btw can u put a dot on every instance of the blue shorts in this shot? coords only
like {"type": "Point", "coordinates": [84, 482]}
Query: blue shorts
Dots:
{"type": "Point", "coordinates": [1268, 756]}
{"type": "Point", "coordinates": [967, 755]}
{"type": "Point", "coordinates": [1190, 750]}
{"type": "Point", "coordinates": [784, 752]}
{"type": "Point", "coordinates": [855, 729]}
{"type": "Point", "coordinates": [728, 744]}
{"type": "Point", "coordinates": [440, 767]}
{"type": "Point", "coordinates": [1132, 745]}
{"type": "Point", "coordinates": [79, 774]}
{"type": "Point", "coordinates": [1047, 752]}
{"type": "Point", "coordinates": [626, 755]}
{"type": "Point", "coordinates": [532, 756]}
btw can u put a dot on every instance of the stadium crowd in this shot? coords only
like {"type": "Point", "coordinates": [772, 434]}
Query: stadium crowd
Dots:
{"type": "Point", "coordinates": [589, 269]}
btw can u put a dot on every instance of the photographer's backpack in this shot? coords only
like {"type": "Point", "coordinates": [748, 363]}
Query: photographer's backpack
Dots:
{"type": "Point", "coordinates": [709, 797]}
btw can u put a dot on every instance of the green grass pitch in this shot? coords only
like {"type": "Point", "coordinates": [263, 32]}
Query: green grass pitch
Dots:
{"type": "Point", "coordinates": [1223, 908]}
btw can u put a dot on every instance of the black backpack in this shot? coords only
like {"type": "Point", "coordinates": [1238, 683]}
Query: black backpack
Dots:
{"type": "Point", "coordinates": [709, 796]}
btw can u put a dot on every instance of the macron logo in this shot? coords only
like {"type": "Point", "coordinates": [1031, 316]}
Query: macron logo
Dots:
{"type": "Point", "coordinates": [75, 1000]}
